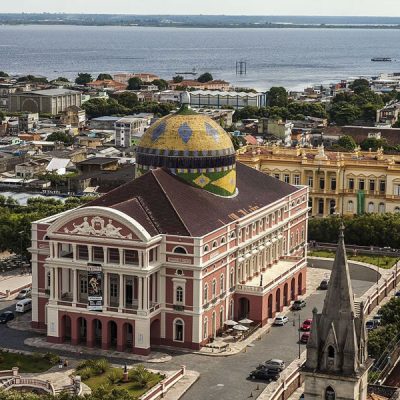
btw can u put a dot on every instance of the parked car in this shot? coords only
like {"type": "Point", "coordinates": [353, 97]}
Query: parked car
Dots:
{"type": "Point", "coordinates": [23, 305]}
{"type": "Point", "coordinates": [274, 364]}
{"type": "Point", "coordinates": [370, 325]}
{"type": "Point", "coordinates": [6, 316]}
{"type": "Point", "coordinates": [24, 293]}
{"type": "Point", "coordinates": [397, 294]}
{"type": "Point", "coordinates": [304, 337]}
{"type": "Point", "coordinates": [281, 320]}
{"type": "Point", "coordinates": [324, 284]}
{"type": "Point", "coordinates": [298, 305]}
{"type": "Point", "coordinates": [378, 319]}
{"type": "Point", "coordinates": [264, 374]}
{"type": "Point", "coordinates": [306, 325]}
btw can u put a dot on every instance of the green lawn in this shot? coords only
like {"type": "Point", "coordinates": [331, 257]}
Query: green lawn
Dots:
{"type": "Point", "coordinates": [101, 380]}
{"type": "Point", "coordinates": [31, 363]}
{"type": "Point", "coordinates": [385, 262]}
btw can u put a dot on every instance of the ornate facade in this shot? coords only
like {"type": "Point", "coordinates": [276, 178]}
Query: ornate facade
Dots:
{"type": "Point", "coordinates": [164, 261]}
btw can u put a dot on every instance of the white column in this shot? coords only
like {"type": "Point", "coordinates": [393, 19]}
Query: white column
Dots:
{"type": "Point", "coordinates": [121, 291]}
{"type": "Point", "coordinates": [121, 257]}
{"type": "Point", "coordinates": [56, 290]}
{"type": "Point", "coordinates": [105, 256]}
{"type": "Point", "coordinates": [51, 283]}
{"type": "Point", "coordinates": [74, 248]}
{"type": "Point", "coordinates": [146, 293]}
{"type": "Point", "coordinates": [105, 289]}
{"type": "Point", "coordinates": [140, 293]}
{"type": "Point", "coordinates": [74, 287]}
{"type": "Point", "coordinates": [51, 250]}
{"type": "Point", "coordinates": [90, 253]}
{"type": "Point", "coordinates": [154, 287]}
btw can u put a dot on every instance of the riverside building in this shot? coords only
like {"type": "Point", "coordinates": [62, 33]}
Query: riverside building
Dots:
{"type": "Point", "coordinates": [165, 259]}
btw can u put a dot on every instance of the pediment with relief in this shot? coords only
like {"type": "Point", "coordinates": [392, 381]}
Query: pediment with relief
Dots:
{"type": "Point", "coordinates": [99, 227]}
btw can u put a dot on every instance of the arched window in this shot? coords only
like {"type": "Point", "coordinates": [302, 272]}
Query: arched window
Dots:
{"type": "Point", "coordinates": [223, 240]}
{"type": "Point", "coordinates": [331, 352]}
{"type": "Point", "coordinates": [205, 293]}
{"type": "Point", "coordinates": [222, 283]}
{"type": "Point", "coordinates": [350, 206]}
{"type": "Point", "coordinates": [205, 328]}
{"type": "Point", "coordinates": [206, 248]}
{"type": "Point", "coordinates": [178, 330]}
{"type": "Point", "coordinates": [215, 244]}
{"type": "Point", "coordinates": [231, 281]}
{"type": "Point", "coordinates": [233, 235]}
{"type": "Point", "coordinates": [180, 250]}
{"type": "Point", "coordinates": [179, 294]}
{"type": "Point", "coordinates": [231, 309]}
{"type": "Point", "coordinates": [381, 208]}
{"type": "Point", "coordinates": [371, 207]}
{"type": "Point", "coordinates": [214, 288]}
{"type": "Point", "coordinates": [221, 318]}
{"type": "Point", "coordinates": [330, 393]}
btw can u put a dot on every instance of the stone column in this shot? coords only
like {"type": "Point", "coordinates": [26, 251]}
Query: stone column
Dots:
{"type": "Point", "coordinates": [146, 293]}
{"type": "Point", "coordinates": [56, 285]}
{"type": "Point", "coordinates": [90, 253]}
{"type": "Point", "coordinates": [105, 289]}
{"type": "Point", "coordinates": [153, 291]}
{"type": "Point", "coordinates": [52, 293]}
{"type": "Point", "coordinates": [74, 287]}
{"type": "Point", "coordinates": [140, 293]}
{"type": "Point", "coordinates": [121, 257]}
{"type": "Point", "coordinates": [74, 248]}
{"type": "Point", "coordinates": [121, 292]}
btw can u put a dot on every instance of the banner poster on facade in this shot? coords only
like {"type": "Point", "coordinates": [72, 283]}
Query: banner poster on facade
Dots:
{"type": "Point", "coordinates": [95, 292]}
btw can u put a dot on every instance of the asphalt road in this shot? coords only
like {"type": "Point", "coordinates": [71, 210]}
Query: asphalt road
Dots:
{"type": "Point", "coordinates": [221, 377]}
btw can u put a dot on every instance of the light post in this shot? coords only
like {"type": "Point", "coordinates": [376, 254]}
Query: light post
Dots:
{"type": "Point", "coordinates": [299, 339]}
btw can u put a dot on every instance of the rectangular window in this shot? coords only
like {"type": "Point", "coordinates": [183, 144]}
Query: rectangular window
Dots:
{"type": "Point", "coordinates": [296, 180]}
{"type": "Point", "coordinates": [286, 178]}
{"type": "Point", "coordinates": [277, 176]}
{"type": "Point", "coordinates": [361, 184]}
{"type": "Point", "coordinates": [98, 254]}
{"type": "Point", "coordinates": [113, 289]}
{"type": "Point", "coordinates": [310, 181]}
{"type": "Point", "coordinates": [372, 185]}
{"type": "Point", "coordinates": [322, 183]}
{"type": "Point", "coordinates": [65, 250]}
{"type": "Point", "coordinates": [83, 285]}
{"type": "Point", "coordinates": [113, 256]}
{"type": "Point", "coordinates": [382, 186]}
{"type": "Point", "coordinates": [333, 183]}
{"type": "Point", "coordinates": [351, 184]}
{"type": "Point", "coordinates": [151, 255]}
{"type": "Point", "coordinates": [83, 253]}
{"type": "Point", "coordinates": [131, 257]}
{"type": "Point", "coordinates": [397, 190]}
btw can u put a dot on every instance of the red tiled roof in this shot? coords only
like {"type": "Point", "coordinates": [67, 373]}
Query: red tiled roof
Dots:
{"type": "Point", "coordinates": [163, 203]}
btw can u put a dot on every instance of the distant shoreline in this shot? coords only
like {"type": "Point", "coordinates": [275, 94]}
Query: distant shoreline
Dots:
{"type": "Point", "coordinates": [204, 26]}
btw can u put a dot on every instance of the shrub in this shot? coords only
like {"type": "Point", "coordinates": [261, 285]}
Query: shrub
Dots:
{"type": "Point", "coordinates": [86, 373]}
{"type": "Point", "coordinates": [101, 366]}
{"type": "Point", "coordinates": [140, 375]}
{"type": "Point", "coordinates": [52, 358]}
{"type": "Point", "coordinates": [115, 375]}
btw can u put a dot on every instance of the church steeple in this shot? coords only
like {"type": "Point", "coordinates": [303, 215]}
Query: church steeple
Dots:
{"type": "Point", "coordinates": [337, 348]}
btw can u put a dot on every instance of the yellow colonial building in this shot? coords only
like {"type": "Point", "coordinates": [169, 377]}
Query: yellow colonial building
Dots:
{"type": "Point", "coordinates": [340, 183]}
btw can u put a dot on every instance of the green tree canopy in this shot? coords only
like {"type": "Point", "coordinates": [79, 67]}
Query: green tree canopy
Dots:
{"type": "Point", "coordinates": [62, 79]}
{"type": "Point", "coordinates": [83, 78]}
{"type": "Point", "coordinates": [103, 77]}
{"type": "Point", "coordinates": [3, 74]}
{"type": "Point", "coordinates": [359, 86]}
{"type": "Point", "coordinates": [100, 107]}
{"type": "Point", "coordinates": [32, 78]}
{"type": "Point", "coordinates": [373, 143]}
{"type": "Point", "coordinates": [177, 79]}
{"type": "Point", "coordinates": [161, 84]}
{"type": "Point", "coordinates": [206, 77]}
{"type": "Point", "coordinates": [347, 142]}
{"type": "Point", "coordinates": [277, 97]}
{"type": "Point", "coordinates": [127, 99]}
{"type": "Point", "coordinates": [344, 113]}
{"type": "Point", "coordinates": [60, 137]}
{"type": "Point", "coordinates": [134, 83]}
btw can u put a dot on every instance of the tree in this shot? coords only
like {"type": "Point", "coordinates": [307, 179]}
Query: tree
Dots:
{"type": "Point", "coordinates": [372, 143]}
{"type": "Point", "coordinates": [277, 96]}
{"type": "Point", "coordinates": [32, 78]}
{"type": "Point", "coordinates": [177, 79]}
{"type": "Point", "coordinates": [60, 137]}
{"type": "Point", "coordinates": [134, 83]}
{"type": "Point", "coordinates": [127, 99]}
{"type": "Point", "coordinates": [2, 116]}
{"type": "Point", "coordinates": [206, 77]}
{"type": "Point", "coordinates": [3, 74]}
{"type": "Point", "coordinates": [359, 86]}
{"type": "Point", "coordinates": [161, 84]}
{"type": "Point", "coordinates": [100, 107]}
{"type": "Point", "coordinates": [237, 142]}
{"type": "Point", "coordinates": [347, 142]}
{"type": "Point", "coordinates": [83, 78]}
{"type": "Point", "coordinates": [140, 375]}
{"type": "Point", "coordinates": [62, 79]}
{"type": "Point", "coordinates": [103, 77]}
{"type": "Point", "coordinates": [344, 113]}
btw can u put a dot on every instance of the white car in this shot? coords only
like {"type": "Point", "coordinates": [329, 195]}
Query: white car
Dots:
{"type": "Point", "coordinates": [281, 320]}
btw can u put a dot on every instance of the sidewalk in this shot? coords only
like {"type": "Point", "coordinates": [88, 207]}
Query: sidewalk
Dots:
{"type": "Point", "coordinates": [314, 277]}
{"type": "Point", "coordinates": [13, 282]}
{"type": "Point", "coordinates": [154, 357]}
{"type": "Point", "coordinates": [182, 386]}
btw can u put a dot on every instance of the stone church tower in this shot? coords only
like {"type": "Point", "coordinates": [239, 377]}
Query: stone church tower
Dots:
{"type": "Point", "coordinates": [337, 358]}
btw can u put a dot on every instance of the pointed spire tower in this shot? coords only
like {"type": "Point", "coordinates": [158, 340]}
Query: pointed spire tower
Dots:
{"type": "Point", "coordinates": [337, 348]}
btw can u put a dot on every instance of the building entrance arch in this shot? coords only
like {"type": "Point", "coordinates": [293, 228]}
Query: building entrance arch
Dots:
{"type": "Point", "coordinates": [300, 284]}
{"type": "Point", "coordinates": [244, 308]}
{"type": "Point", "coordinates": [285, 295]}
{"type": "Point", "coordinates": [155, 332]}
{"type": "Point", "coordinates": [278, 300]}
{"type": "Point", "coordinates": [270, 310]}
{"type": "Point", "coordinates": [293, 289]}
{"type": "Point", "coordinates": [66, 328]}
{"type": "Point", "coordinates": [113, 330]}
{"type": "Point", "coordinates": [97, 331]}
{"type": "Point", "coordinates": [82, 330]}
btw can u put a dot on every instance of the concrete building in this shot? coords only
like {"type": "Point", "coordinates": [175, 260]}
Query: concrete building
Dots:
{"type": "Point", "coordinates": [27, 122]}
{"type": "Point", "coordinates": [129, 128]}
{"type": "Point", "coordinates": [168, 257]}
{"type": "Point", "coordinates": [340, 183]}
{"type": "Point", "coordinates": [210, 98]}
{"type": "Point", "coordinates": [31, 168]}
{"type": "Point", "coordinates": [103, 123]}
{"type": "Point", "coordinates": [337, 356]}
{"type": "Point", "coordinates": [5, 90]}
{"type": "Point", "coordinates": [48, 101]}
{"type": "Point", "coordinates": [277, 128]}
{"type": "Point", "coordinates": [73, 116]}
{"type": "Point", "coordinates": [389, 114]}
{"type": "Point", "coordinates": [144, 77]}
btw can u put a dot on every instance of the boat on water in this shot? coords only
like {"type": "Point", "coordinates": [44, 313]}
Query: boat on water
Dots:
{"type": "Point", "coordinates": [381, 59]}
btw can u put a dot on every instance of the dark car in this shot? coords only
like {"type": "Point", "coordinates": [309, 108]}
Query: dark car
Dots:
{"type": "Point", "coordinates": [324, 284]}
{"type": "Point", "coordinates": [304, 337]}
{"type": "Point", "coordinates": [6, 316]}
{"type": "Point", "coordinates": [264, 374]}
{"type": "Point", "coordinates": [298, 305]}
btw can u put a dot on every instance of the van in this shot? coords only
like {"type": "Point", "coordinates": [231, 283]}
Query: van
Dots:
{"type": "Point", "coordinates": [23, 306]}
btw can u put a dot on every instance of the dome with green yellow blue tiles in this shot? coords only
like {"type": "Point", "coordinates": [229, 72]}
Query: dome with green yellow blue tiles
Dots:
{"type": "Point", "coordinates": [193, 147]}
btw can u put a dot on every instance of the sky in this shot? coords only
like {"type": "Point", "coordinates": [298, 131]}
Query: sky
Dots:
{"type": "Point", "coordinates": [228, 7]}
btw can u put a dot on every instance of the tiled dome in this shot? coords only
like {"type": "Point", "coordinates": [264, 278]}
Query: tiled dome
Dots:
{"type": "Point", "coordinates": [192, 146]}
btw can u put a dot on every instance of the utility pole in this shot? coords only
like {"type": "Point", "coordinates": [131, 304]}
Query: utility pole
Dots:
{"type": "Point", "coordinates": [299, 338]}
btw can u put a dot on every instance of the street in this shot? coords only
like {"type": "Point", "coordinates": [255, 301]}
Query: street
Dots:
{"type": "Point", "coordinates": [220, 377]}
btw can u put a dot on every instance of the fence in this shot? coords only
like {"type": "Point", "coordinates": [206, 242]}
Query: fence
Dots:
{"type": "Point", "coordinates": [159, 390]}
